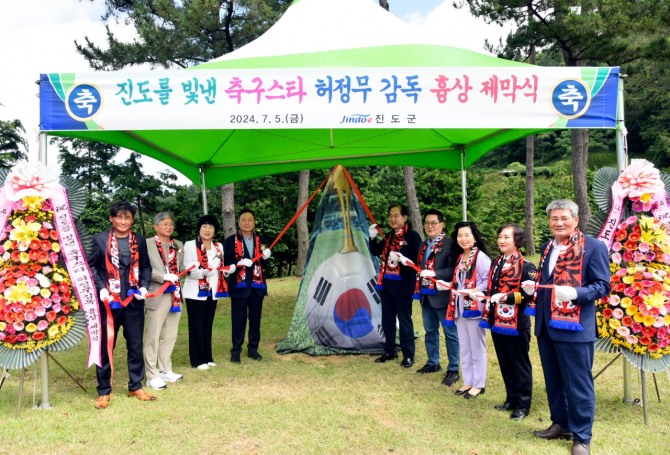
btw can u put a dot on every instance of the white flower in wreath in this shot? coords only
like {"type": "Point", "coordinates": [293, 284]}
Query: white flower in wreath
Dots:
{"type": "Point", "coordinates": [30, 179]}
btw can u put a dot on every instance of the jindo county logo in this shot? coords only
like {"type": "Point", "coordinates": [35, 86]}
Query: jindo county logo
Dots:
{"type": "Point", "coordinates": [571, 98]}
{"type": "Point", "coordinates": [83, 102]}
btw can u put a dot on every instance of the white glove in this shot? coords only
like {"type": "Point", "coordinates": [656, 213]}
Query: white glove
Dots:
{"type": "Point", "coordinates": [267, 253]}
{"type": "Point", "coordinates": [245, 262]}
{"type": "Point", "coordinates": [497, 297]}
{"type": "Point", "coordinates": [231, 269]}
{"type": "Point", "coordinates": [142, 295]}
{"type": "Point", "coordinates": [372, 231]}
{"type": "Point", "coordinates": [405, 261]}
{"type": "Point", "coordinates": [528, 287]}
{"type": "Point", "coordinates": [427, 273]}
{"type": "Point", "coordinates": [193, 266]}
{"type": "Point", "coordinates": [565, 293]}
{"type": "Point", "coordinates": [477, 296]}
{"type": "Point", "coordinates": [104, 295]}
{"type": "Point", "coordinates": [442, 285]}
{"type": "Point", "coordinates": [171, 277]}
{"type": "Point", "coordinates": [208, 273]}
{"type": "Point", "coordinates": [395, 256]}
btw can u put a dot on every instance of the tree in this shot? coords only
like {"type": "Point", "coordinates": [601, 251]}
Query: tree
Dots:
{"type": "Point", "coordinates": [11, 143]}
{"type": "Point", "coordinates": [92, 163]}
{"type": "Point", "coordinates": [585, 33]}
{"type": "Point", "coordinates": [301, 223]}
{"type": "Point", "coordinates": [133, 185]}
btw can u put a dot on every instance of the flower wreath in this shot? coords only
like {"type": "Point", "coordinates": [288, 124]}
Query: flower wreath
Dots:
{"type": "Point", "coordinates": [40, 254]}
{"type": "Point", "coordinates": [635, 317]}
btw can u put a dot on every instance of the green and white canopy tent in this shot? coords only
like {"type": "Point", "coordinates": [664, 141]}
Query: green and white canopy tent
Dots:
{"type": "Point", "coordinates": [332, 82]}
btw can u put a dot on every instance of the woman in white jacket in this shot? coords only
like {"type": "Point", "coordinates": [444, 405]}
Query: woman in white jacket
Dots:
{"type": "Point", "coordinates": [203, 286]}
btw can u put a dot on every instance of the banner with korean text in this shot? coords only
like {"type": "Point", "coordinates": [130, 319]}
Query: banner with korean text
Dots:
{"type": "Point", "coordinates": [376, 97]}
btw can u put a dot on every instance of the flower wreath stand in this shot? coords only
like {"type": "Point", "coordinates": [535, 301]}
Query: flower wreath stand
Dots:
{"type": "Point", "coordinates": [47, 295]}
{"type": "Point", "coordinates": [634, 320]}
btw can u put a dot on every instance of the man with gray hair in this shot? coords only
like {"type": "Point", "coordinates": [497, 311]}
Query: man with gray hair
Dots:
{"type": "Point", "coordinates": [163, 311]}
{"type": "Point", "coordinates": [573, 273]}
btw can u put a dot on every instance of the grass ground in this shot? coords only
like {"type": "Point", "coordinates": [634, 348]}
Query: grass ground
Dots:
{"type": "Point", "coordinates": [294, 403]}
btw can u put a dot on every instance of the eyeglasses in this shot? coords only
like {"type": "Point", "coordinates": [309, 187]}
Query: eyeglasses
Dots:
{"type": "Point", "coordinates": [431, 223]}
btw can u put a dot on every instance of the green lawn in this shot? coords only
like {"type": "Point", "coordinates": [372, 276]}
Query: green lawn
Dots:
{"type": "Point", "coordinates": [299, 404]}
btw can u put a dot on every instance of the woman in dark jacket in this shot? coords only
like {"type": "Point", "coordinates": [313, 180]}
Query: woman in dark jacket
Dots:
{"type": "Point", "coordinates": [510, 327]}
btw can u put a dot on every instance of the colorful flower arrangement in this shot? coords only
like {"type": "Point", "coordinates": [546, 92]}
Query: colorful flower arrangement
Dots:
{"type": "Point", "coordinates": [36, 295]}
{"type": "Point", "coordinates": [636, 314]}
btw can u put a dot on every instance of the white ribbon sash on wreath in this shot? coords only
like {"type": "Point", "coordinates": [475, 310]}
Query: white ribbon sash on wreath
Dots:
{"type": "Point", "coordinates": [634, 182]}
{"type": "Point", "coordinates": [75, 262]}
{"type": "Point", "coordinates": [80, 274]}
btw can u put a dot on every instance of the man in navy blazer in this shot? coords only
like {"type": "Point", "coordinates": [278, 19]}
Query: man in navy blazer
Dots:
{"type": "Point", "coordinates": [120, 265]}
{"type": "Point", "coordinates": [567, 348]}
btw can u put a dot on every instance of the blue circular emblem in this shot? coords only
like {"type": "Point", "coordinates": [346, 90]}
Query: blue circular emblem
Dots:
{"type": "Point", "coordinates": [571, 98]}
{"type": "Point", "coordinates": [83, 102]}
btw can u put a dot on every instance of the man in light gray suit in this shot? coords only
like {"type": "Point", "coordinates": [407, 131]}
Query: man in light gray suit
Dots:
{"type": "Point", "coordinates": [163, 311]}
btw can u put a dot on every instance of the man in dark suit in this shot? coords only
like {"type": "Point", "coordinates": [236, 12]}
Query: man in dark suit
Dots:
{"type": "Point", "coordinates": [120, 266]}
{"type": "Point", "coordinates": [434, 261]}
{"type": "Point", "coordinates": [396, 283]}
{"type": "Point", "coordinates": [246, 286]}
{"type": "Point", "coordinates": [565, 324]}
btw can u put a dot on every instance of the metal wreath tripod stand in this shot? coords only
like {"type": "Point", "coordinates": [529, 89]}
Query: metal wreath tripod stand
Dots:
{"type": "Point", "coordinates": [44, 366]}
{"type": "Point", "coordinates": [643, 385]}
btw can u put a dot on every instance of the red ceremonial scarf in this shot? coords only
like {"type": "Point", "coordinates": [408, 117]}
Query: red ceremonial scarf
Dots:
{"type": "Point", "coordinates": [567, 272]}
{"type": "Point", "coordinates": [390, 270]}
{"type": "Point", "coordinates": [470, 307]}
{"type": "Point", "coordinates": [257, 279]}
{"type": "Point", "coordinates": [203, 259]}
{"type": "Point", "coordinates": [426, 286]}
{"type": "Point", "coordinates": [172, 267]}
{"type": "Point", "coordinates": [505, 315]}
{"type": "Point", "coordinates": [112, 268]}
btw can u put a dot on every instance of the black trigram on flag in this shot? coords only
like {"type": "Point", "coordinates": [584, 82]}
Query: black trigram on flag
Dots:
{"type": "Point", "coordinates": [373, 290]}
{"type": "Point", "coordinates": [322, 290]}
{"type": "Point", "coordinates": [323, 337]}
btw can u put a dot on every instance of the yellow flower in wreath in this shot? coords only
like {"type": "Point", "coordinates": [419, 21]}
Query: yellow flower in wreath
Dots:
{"type": "Point", "coordinates": [33, 202]}
{"type": "Point", "coordinates": [53, 331]}
{"type": "Point", "coordinates": [18, 293]}
{"type": "Point", "coordinates": [24, 232]}
{"type": "Point", "coordinates": [655, 300]}
{"type": "Point", "coordinates": [30, 328]}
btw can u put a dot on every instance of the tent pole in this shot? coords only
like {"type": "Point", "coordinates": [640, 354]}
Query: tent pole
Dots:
{"type": "Point", "coordinates": [464, 187]}
{"type": "Point", "coordinates": [44, 359]}
{"type": "Point", "coordinates": [622, 162]}
{"type": "Point", "coordinates": [621, 132]}
{"type": "Point", "coordinates": [203, 190]}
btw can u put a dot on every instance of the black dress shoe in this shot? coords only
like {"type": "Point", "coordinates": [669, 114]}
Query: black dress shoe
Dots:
{"type": "Point", "coordinates": [386, 357]}
{"type": "Point", "coordinates": [235, 358]}
{"type": "Point", "coordinates": [461, 392]}
{"type": "Point", "coordinates": [255, 356]}
{"type": "Point", "coordinates": [407, 362]}
{"type": "Point", "coordinates": [469, 396]}
{"type": "Point", "coordinates": [506, 406]}
{"type": "Point", "coordinates": [579, 448]}
{"type": "Point", "coordinates": [427, 368]}
{"type": "Point", "coordinates": [555, 431]}
{"type": "Point", "coordinates": [450, 378]}
{"type": "Point", "coordinates": [519, 414]}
